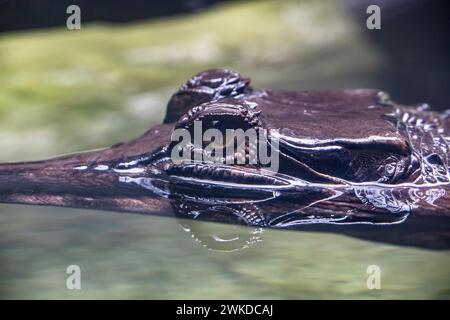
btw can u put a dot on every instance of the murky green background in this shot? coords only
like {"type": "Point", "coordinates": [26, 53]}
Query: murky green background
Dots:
{"type": "Point", "coordinates": [64, 91]}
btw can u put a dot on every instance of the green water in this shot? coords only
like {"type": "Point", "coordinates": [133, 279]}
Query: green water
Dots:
{"type": "Point", "coordinates": [65, 91]}
{"type": "Point", "coordinates": [133, 256]}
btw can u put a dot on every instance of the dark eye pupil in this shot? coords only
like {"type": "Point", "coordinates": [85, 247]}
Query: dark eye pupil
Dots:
{"type": "Point", "coordinates": [214, 124]}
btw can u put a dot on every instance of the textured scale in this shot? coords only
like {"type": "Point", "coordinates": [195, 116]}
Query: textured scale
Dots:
{"type": "Point", "coordinates": [348, 160]}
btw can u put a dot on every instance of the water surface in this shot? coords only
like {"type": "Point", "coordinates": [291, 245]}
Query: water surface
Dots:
{"type": "Point", "coordinates": [135, 256]}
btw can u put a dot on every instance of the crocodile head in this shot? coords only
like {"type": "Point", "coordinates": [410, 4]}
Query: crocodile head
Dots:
{"type": "Point", "coordinates": [306, 156]}
{"type": "Point", "coordinates": [334, 137]}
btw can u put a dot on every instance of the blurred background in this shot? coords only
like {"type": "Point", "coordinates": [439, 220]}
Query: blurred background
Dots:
{"type": "Point", "coordinates": [68, 90]}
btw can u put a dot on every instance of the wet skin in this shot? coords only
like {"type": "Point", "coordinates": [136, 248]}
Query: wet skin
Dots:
{"type": "Point", "coordinates": [347, 157]}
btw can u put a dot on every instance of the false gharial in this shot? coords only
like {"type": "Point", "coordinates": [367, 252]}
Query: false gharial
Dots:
{"type": "Point", "coordinates": [348, 161]}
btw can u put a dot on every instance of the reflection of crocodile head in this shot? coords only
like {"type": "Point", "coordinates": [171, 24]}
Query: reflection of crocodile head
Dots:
{"type": "Point", "coordinates": [225, 237]}
{"type": "Point", "coordinates": [347, 156]}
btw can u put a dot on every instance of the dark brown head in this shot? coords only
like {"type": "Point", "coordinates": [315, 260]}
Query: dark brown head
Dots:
{"type": "Point", "coordinates": [351, 145]}
{"type": "Point", "coordinates": [335, 137]}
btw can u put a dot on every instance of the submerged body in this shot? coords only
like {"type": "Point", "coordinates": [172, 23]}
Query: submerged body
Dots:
{"type": "Point", "coordinates": [344, 157]}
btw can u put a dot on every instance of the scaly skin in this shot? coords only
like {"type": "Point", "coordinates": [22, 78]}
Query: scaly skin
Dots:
{"type": "Point", "coordinates": [345, 157]}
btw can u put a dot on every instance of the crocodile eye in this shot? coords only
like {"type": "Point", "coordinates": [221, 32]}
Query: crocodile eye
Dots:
{"type": "Point", "coordinates": [225, 142]}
